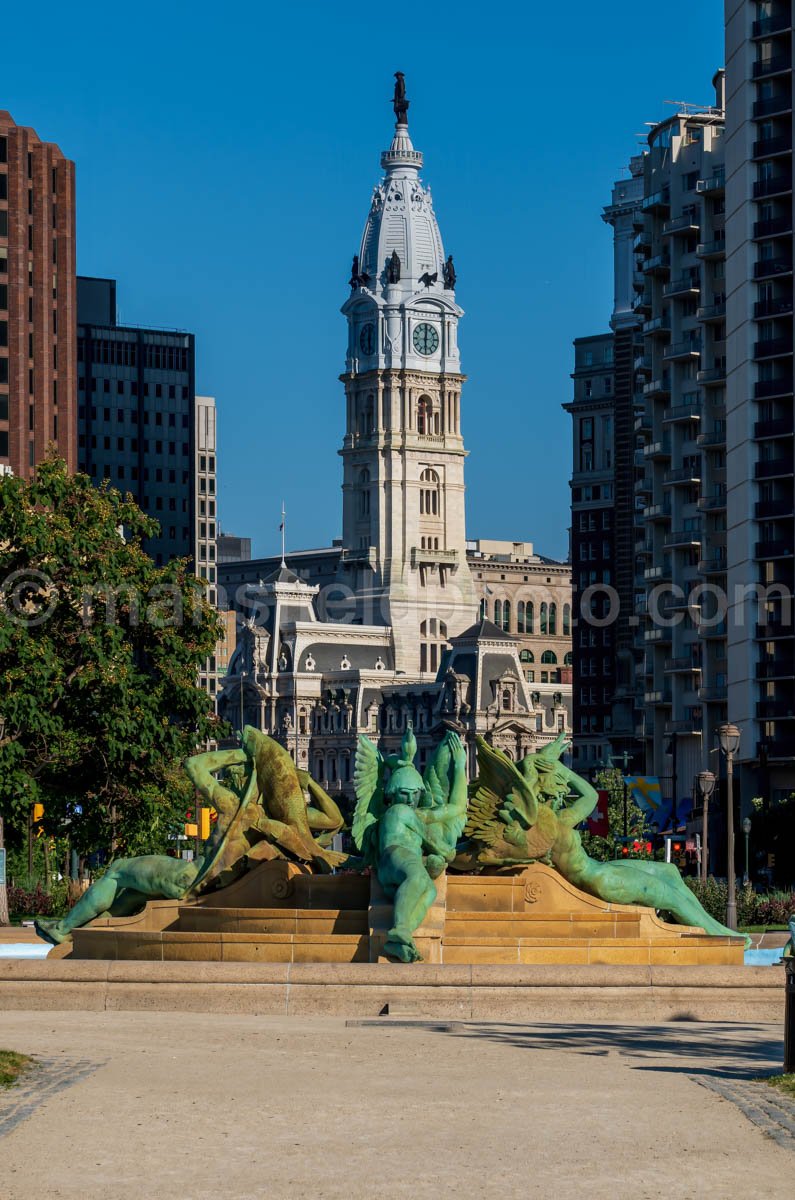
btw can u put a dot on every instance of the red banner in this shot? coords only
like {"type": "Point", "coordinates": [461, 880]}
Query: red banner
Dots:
{"type": "Point", "coordinates": [598, 822]}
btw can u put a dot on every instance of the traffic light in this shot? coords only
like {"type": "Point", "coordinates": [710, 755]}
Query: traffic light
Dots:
{"type": "Point", "coordinates": [37, 818]}
{"type": "Point", "coordinates": [202, 830]}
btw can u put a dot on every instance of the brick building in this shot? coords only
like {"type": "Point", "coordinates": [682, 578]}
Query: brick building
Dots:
{"type": "Point", "coordinates": [38, 300]}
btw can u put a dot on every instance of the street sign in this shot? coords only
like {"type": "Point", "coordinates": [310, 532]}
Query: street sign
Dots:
{"type": "Point", "coordinates": [2, 866]}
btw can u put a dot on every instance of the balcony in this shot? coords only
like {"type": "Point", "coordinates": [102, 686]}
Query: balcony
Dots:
{"type": "Point", "coordinates": [658, 697]}
{"type": "Point", "coordinates": [657, 451]}
{"type": "Point", "coordinates": [713, 695]}
{"type": "Point", "coordinates": [778, 64]}
{"type": "Point", "coordinates": [713, 249]}
{"type": "Point", "coordinates": [683, 350]}
{"type": "Point", "coordinates": [712, 312]}
{"type": "Point", "coordinates": [767, 26]}
{"type": "Point", "coordinates": [775, 668]}
{"type": "Point", "coordinates": [780, 386]}
{"type": "Point", "coordinates": [687, 475]}
{"type": "Point", "coordinates": [658, 202]}
{"type": "Point", "coordinates": [690, 725]}
{"type": "Point", "coordinates": [770, 268]}
{"type": "Point", "coordinates": [656, 572]}
{"type": "Point", "coordinates": [773, 347]}
{"type": "Point", "coordinates": [715, 437]}
{"type": "Point", "coordinates": [643, 423]}
{"type": "Point", "coordinates": [643, 362]}
{"type": "Point", "coordinates": [772, 105]}
{"type": "Point", "coordinates": [767, 710]}
{"type": "Point", "coordinates": [772, 227]}
{"type": "Point", "coordinates": [683, 538]}
{"type": "Point", "coordinates": [780, 748]}
{"type": "Point", "coordinates": [773, 549]}
{"type": "Point", "coordinates": [657, 512]}
{"type": "Point", "coordinates": [712, 566]}
{"type": "Point", "coordinates": [712, 503]}
{"type": "Point", "coordinates": [780, 427]}
{"type": "Point", "coordinates": [715, 185]}
{"type": "Point", "coordinates": [685, 285]}
{"type": "Point", "coordinates": [712, 632]}
{"type": "Point", "coordinates": [779, 306]}
{"type": "Point", "coordinates": [663, 636]}
{"type": "Point", "coordinates": [683, 412]}
{"type": "Point", "coordinates": [712, 376]}
{"type": "Point", "coordinates": [442, 557]}
{"type": "Point", "coordinates": [657, 327]}
{"type": "Point", "coordinates": [767, 510]}
{"type": "Point", "coordinates": [770, 147]}
{"type": "Point", "coordinates": [641, 242]}
{"type": "Point", "coordinates": [657, 387]}
{"type": "Point", "coordinates": [686, 224]}
{"type": "Point", "coordinates": [660, 264]}
{"type": "Point", "coordinates": [774, 630]}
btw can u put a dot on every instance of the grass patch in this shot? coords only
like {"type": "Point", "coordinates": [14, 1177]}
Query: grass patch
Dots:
{"type": "Point", "coordinates": [764, 929]}
{"type": "Point", "coordinates": [784, 1083]}
{"type": "Point", "coordinates": [12, 1066]}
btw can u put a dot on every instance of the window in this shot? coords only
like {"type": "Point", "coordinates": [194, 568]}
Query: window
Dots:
{"type": "Point", "coordinates": [429, 493]}
{"type": "Point", "coordinates": [484, 609]}
{"type": "Point", "coordinates": [506, 616]}
{"type": "Point", "coordinates": [364, 492]}
{"type": "Point", "coordinates": [566, 620]}
{"type": "Point", "coordinates": [544, 617]}
{"type": "Point", "coordinates": [549, 656]}
{"type": "Point", "coordinates": [427, 419]}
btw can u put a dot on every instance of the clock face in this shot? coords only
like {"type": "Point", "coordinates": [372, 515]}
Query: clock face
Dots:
{"type": "Point", "coordinates": [426, 339]}
{"type": "Point", "coordinates": [367, 339]}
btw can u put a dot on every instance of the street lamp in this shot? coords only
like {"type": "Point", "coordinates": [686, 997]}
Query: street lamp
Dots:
{"type": "Point", "coordinates": [706, 786]}
{"type": "Point", "coordinates": [729, 741]}
{"type": "Point", "coordinates": [747, 832]}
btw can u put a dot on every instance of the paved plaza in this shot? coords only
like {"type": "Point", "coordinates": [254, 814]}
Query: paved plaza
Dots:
{"type": "Point", "coordinates": [127, 1105]}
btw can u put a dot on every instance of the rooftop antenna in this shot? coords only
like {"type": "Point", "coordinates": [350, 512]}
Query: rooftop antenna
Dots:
{"type": "Point", "coordinates": [282, 531]}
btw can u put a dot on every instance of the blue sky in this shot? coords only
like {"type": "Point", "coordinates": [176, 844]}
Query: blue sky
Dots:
{"type": "Point", "coordinates": [225, 159]}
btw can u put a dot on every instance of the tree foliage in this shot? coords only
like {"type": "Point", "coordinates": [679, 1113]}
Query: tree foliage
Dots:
{"type": "Point", "coordinates": [99, 655]}
{"type": "Point", "coordinates": [611, 780]}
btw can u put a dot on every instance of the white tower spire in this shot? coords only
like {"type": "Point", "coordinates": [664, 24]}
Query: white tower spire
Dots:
{"type": "Point", "coordinates": [403, 489]}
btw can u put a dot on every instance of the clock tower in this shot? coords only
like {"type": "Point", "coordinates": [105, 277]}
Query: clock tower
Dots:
{"type": "Point", "coordinates": [403, 532]}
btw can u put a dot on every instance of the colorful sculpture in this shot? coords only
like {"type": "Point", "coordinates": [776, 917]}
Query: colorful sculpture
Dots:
{"type": "Point", "coordinates": [407, 826]}
{"type": "Point", "coordinates": [262, 814]}
{"type": "Point", "coordinates": [519, 813]}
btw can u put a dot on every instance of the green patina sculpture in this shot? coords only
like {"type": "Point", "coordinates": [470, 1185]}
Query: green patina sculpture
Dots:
{"type": "Point", "coordinates": [262, 814]}
{"type": "Point", "coordinates": [527, 812]}
{"type": "Point", "coordinates": [407, 827]}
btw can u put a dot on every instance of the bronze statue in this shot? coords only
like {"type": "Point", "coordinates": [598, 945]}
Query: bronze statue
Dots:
{"type": "Point", "coordinates": [448, 273]}
{"type": "Point", "coordinates": [400, 104]}
{"type": "Point", "coordinates": [393, 268]}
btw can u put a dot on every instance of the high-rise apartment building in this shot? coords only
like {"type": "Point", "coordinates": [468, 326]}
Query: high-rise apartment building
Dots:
{"type": "Point", "coordinates": [37, 300]}
{"type": "Point", "coordinates": [204, 504]}
{"type": "Point", "coordinates": [682, 257]}
{"type": "Point", "coordinates": [137, 417]}
{"type": "Point", "coordinates": [593, 546]}
{"type": "Point", "coordinates": [759, 429]}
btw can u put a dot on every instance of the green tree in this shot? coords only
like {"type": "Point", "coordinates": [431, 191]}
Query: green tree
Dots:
{"type": "Point", "coordinates": [611, 780]}
{"type": "Point", "coordinates": [99, 656]}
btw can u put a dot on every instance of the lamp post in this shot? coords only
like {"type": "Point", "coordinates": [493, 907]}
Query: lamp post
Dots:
{"type": "Point", "coordinates": [747, 832]}
{"type": "Point", "coordinates": [706, 785]}
{"type": "Point", "coordinates": [729, 740]}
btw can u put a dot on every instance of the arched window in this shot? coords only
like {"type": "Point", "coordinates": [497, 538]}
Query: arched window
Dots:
{"type": "Point", "coordinates": [549, 656]}
{"type": "Point", "coordinates": [429, 493]}
{"type": "Point", "coordinates": [424, 415]}
{"type": "Point", "coordinates": [367, 416]}
{"type": "Point", "coordinates": [506, 616]}
{"type": "Point", "coordinates": [568, 659]}
{"type": "Point", "coordinates": [484, 609]}
{"type": "Point", "coordinates": [364, 492]}
{"type": "Point", "coordinates": [526, 656]}
{"type": "Point", "coordinates": [529, 618]}
{"type": "Point", "coordinates": [507, 699]}
{"type": "Point", "coordinates": [553, 618]}
{"type": "Point", "coordinates": [566, 620]}
{"type": "Point", "coordinates": [433, 643]}
{"type": "Point", "coordinates": [544, 617]}
{"type": "Point", "coordinates": [520, 617]}
{"type": "Point", "coordinates": [498, 613]}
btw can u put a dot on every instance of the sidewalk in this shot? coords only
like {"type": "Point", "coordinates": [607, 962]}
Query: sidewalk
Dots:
{"type": "Point", "coordinates": [240, 1107]}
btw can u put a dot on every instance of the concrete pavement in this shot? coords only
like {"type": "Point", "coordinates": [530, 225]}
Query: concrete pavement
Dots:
{"type": "Point", "coordinates": [234, 1106]}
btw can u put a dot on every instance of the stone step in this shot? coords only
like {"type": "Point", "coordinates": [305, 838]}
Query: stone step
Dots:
{"type": "Point", "coordinates": [687, 950]}
{"type": "Point", "coordinates": [531, 924]}
{"type": "Point", "coordinates": [178, 946]}
{"type": "Point", "coordinates": [202, 918]}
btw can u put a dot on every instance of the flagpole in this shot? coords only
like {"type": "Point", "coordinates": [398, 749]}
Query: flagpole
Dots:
{"type": "Point", "coordinates": [284, 564]}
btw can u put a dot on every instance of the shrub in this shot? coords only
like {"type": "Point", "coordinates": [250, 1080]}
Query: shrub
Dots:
{"type": "Point", "coordinates": [774, 909]}
{"type": "Point", "coordinates": [29, 902]}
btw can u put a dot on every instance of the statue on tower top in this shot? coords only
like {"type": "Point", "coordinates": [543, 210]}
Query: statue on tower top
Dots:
{"type": "Point", "coordinates": [399, 102]}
